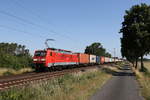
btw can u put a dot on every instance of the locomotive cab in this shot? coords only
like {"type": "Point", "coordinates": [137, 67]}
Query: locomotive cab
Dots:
{"type": "Point", "coordinates": [39, 56]}
{"type": "Point", "coordinates": [39, 59]}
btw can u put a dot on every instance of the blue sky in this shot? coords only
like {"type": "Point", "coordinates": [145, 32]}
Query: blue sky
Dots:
{"type": "Point", "coordinates": [73, 24]}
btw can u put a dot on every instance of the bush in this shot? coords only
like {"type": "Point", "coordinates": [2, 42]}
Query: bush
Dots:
{"type": "Point", "coordinates": [14, 56]}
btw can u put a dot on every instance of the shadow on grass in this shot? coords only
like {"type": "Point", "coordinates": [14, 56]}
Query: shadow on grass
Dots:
{"type": "Point", "coordinates": [121, 73]}
{"type": "Point", "coordinates": [146, 72]}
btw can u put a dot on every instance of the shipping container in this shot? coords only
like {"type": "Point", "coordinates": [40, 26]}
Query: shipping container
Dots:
{"type": "Point", "coordinates": [113, 60]}
{"type": "Point", "coordinates": [116, 59]}
{"type": "Point", "coordinates": [92, 59]}
{"type": "Point", "coordinates": [107, 59]}
{"type": "Point", "coordinates": [83, 58]}
{"type": "Point", "coordinates": [102, 60]}
{"type": "Point", "coordinates": [110, 60]}
{"type": "Point", "coordinates": [97, 59]}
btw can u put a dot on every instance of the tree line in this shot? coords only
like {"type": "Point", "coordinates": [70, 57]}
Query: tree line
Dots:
{"type": "Point", "coordinates": [97, 49]}
{"type": "Point", "coordinates": [13, 55]}
{"type": "Point", "coordinates": [135, 41]}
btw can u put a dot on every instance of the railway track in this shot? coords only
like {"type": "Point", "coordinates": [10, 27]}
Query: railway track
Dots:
{"type": "Point", "coordinates": [25, 79]}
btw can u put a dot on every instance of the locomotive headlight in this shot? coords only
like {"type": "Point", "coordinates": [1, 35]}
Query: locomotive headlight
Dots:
{"type": "Point", "coordinates": [35, 59]}
{"type": "Point", "coordinates": [42, 59]}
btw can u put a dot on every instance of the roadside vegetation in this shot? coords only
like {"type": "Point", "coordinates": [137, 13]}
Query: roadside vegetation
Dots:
{"type": "Point", "coordinates": [76, 86]}
{"type": "Point", "coordinates": [14, 58]}
{"type": "Point", "coordinates": [144, 80]}
{"type": "Point", "coordinates": [10, 71]}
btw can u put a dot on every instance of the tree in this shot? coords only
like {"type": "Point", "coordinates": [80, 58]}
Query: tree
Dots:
{"type": "Point", "coordinates": [136, 33]}
{"type": "Point", "coordinates": [97, 49]}
{"type": "Point", "coordinates": [129, 49]}
{"type": "Point", "coordinates": [14, 56]}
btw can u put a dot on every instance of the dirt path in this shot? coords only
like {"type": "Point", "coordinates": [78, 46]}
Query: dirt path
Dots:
{"type": "Point", "coordinates": [122, 86]}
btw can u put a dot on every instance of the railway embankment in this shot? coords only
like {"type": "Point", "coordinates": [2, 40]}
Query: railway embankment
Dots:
{"type": "Point", "coordinates": [74, 86]}
{"type": "Point", "coordinates": [10, 71]}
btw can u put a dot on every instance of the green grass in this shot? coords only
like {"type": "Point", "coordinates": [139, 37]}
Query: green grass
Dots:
{"type": "Point", "coordinates": [78, 86]}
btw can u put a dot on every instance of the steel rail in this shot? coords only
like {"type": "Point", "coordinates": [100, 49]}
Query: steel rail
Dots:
{"type": "Point", "coordinates": [37, 77]}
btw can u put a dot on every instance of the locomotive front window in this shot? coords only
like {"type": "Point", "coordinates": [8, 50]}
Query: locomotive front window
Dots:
{"type": "Point", "coordinates": [50, 53]}
{"type": "Point", "coordinates": [40, 53]}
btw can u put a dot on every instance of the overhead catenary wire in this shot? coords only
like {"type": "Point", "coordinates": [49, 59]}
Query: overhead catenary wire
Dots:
{"type": "Point", "coordinates": [24, 21]}
{"type": "Point", "coordinates": [32, 12]}
{"type": "Point", "coordinates": [18, 30]}
{"type": "Point", "coordinates": [52, 32]}
{"type": "Point", "coordinates": [31, 23]}
{"type": "Point", "coordinates": [21, 19]}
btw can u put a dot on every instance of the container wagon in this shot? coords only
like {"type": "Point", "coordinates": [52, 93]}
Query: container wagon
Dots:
{"type": "Point", "coordinates": [83, 58]}
{"type": "Point", "coordinates": [97, 59]}
{"type": "Point", "coordinates": [111, 60]}
{"type": "Point", "coordinates": [107, 59]}
{"type": "Point", "coordinates": [92, 59]}
{"type": "Point", "coordinates": [102, 60]}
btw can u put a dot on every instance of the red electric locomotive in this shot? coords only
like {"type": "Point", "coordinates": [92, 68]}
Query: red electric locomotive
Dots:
{"type": "Point", "coordinates": [52, 57]}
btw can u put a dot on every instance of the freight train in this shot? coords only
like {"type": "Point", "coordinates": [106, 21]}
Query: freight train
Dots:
{"type": "Point", "coordinates": [52, 58]}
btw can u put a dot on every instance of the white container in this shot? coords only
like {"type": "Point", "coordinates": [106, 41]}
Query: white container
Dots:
{"type": "Point", "coordinates": [110, 59]}
{"type": "Point", "coordinates": [107, 59]}
{"type": "Point", "coordinates": [92, 59]}
{"type": "Point", "coordinates": [113, 60]}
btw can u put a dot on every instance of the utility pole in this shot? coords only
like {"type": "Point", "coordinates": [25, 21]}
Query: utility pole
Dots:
{"type": "Point", "coordinates": [114, 54]}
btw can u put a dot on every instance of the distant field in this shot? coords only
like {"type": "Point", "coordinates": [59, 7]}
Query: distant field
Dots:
{"type": "Point", "coordinates": [146, 64]}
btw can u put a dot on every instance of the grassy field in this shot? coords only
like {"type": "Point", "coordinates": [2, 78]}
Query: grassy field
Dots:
{"type": "Point", "coordinates": [77, 86]}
